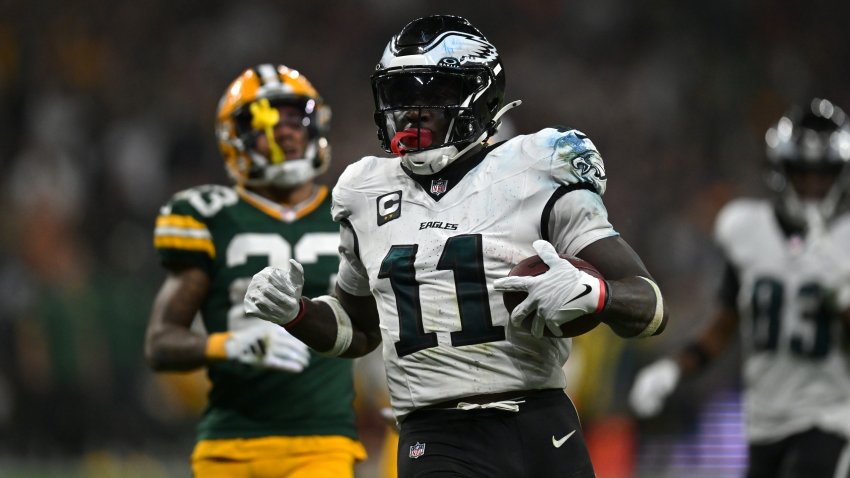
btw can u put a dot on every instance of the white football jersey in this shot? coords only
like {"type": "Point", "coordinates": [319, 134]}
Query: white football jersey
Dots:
{"type": "Point", "coordinates": [795, 371]}
{"type": "Point", "coordinates": [429, 251]}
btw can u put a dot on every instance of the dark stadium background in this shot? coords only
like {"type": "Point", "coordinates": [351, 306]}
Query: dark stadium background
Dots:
{"type": "Point", "coordinates": [106, 109]}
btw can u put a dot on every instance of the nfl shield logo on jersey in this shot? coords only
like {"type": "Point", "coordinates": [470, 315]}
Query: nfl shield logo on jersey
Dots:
{"type": "Point", "coordinates": [439, 186]}
{"type": "Point", "coordinates": [417, 450]}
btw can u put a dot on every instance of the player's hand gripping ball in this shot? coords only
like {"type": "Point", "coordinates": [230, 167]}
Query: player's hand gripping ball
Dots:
{"type": "Point", "coordinates": [534, 266]}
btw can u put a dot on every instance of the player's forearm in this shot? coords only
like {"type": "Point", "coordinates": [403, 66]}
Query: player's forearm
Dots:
{"type": "Point", "coordinates": [170, 343]}
{"type": "Point", "coordinates": [635, 308]}
{"type": "Point", "coordinates": [698, 354]}
{"type": "Point", "coordinates": [320, 328]}
{"type": "Point", "coordinates": [173, 348]}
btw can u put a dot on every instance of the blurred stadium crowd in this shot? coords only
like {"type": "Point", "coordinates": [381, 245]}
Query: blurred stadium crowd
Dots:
{"type": "Point", "coordinates": [107, 108]}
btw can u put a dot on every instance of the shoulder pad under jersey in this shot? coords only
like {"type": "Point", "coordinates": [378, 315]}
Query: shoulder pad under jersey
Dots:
{"type": "Point", "coordinates": [569, 155]}
{"type": "Point", "coordinates": [181, 234]}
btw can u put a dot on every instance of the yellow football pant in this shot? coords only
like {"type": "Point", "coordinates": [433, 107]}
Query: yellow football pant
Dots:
{"type": "Point", "coordinates": [389, 454]}
{"type": "Point", "coordinates": [277, 457]}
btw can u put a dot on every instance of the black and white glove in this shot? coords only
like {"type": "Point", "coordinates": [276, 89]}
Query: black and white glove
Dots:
{"type": "Point", "coordinates": [267, 345]}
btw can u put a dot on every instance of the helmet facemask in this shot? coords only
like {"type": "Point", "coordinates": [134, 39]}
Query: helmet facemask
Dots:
{"type": "Point", "coordinates": [442, 68]}
{"type": "Point", "coordinates": [277, 167]}
{"type": "Point", "coordinates": [799, 205]}
{"type": "Point", "coordinates": [404, 96]}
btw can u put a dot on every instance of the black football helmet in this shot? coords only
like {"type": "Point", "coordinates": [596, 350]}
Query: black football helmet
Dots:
{"type": "Point", "coordinates": [438, 63]}
{"type": "Point", "coordinates": [815, 139]}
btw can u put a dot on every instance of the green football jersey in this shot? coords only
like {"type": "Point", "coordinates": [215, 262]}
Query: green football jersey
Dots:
{"type": "Point", "coordinates": [233, 234]}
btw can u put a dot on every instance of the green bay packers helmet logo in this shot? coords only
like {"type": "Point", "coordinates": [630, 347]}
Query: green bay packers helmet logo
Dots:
{"type": "Point", "coordinates": [389, 207]}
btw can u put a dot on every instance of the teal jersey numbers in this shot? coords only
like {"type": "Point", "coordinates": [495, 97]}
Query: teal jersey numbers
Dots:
{"type": "Point", "coordinates": [795, 373]}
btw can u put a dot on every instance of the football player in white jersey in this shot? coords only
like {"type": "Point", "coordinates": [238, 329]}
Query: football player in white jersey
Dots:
{"type": "Point", "coordinates": [785, 291]}
{"type": "Point", "coordinates": [427, 240]}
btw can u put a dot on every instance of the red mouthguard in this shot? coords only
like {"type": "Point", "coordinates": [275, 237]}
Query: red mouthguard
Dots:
{"type": "Point", "coordinates": [410, 138]}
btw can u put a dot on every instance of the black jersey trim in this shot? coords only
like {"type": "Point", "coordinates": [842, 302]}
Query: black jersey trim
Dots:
{"type": "Point", "coordinates": [563, 129]}
{"type": "Point", "coordinates": [347, 224]}
{"type": "Point", "coordinates": [730, 284]}
{"type": "Point", "coordinates": [787, 227]}
{"type": "Point", "coordinates": [453, 172]}
{"type": "Point", "coordinates": [550, 204]}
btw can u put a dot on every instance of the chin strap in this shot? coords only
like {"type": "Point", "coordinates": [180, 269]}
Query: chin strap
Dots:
{"type": "Point", "coordinates": [486, 133]}
{"type": "Point", "coordinates": [829, 204]}
{"type": "Point", "coordinates": [505, 109]}
{"type": "Point", "coordinates": [446, 159]}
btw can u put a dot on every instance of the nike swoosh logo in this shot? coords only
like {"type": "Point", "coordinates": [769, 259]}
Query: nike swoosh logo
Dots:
{"type": "Point", "coordinates": [560, 442]}
{"type": "Point", "coordinates": [583, 293]}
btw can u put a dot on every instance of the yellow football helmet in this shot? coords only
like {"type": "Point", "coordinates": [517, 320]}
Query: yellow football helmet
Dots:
{"type": "Point", "coordinates": [246, 111]}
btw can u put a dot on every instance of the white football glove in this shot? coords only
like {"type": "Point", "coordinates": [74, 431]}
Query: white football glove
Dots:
{"type": "Point", "coordinates": [267, 345]}
{"type": "Point", "coordinates": [274, 294]}
{"type": "Point", "coordinates": [652, 386]}
{"type": "Point", "coordinates": [559, 295]}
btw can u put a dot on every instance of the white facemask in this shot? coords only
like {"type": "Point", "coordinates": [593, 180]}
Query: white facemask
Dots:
{"type": "Point", "coordinates": [433, 161]}
{"type": "Point", "coordinates": [290, 173]}
{"type": "Point", "coordinates": [430, 161]}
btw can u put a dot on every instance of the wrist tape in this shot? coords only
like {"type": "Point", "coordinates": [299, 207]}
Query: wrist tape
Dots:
{"type": "Point", "coordinates": [215, 346]}
{"type": "Point", "coordinates": [658, 318]}
{"type": "Point", "coordinates": [344, 330]}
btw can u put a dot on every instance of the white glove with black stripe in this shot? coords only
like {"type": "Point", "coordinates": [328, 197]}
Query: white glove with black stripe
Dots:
{"type": "Point", "coordinates": [264, 344]}
{"type": "Point", "coordinates": [559, 295]}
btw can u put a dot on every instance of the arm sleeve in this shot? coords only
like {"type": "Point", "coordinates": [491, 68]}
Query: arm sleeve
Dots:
{"type": "Point", "coordinates": [577, 219]}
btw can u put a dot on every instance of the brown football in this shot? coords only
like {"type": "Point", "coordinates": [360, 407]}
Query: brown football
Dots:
{"type": "Point", "coordinates": [533, 266]}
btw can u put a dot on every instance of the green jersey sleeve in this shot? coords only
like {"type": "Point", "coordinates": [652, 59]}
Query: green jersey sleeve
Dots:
{"type": "Point", "coordinates": [181, 234]}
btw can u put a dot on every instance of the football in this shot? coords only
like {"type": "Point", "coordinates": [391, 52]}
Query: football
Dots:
{"type": "Point", "coordinates": [533, 266]}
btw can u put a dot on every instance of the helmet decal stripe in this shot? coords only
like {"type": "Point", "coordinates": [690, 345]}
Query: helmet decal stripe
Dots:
{"type": "Point", "coordinates": [467, 48]}
{"type": "Point", "coordinates": [268, 75]}
{"type": "Point", "coordinates": [248, 110]}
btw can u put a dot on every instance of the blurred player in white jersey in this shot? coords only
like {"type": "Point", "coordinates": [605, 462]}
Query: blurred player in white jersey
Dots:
{"type": "Point", "coordinates": [427, 240]}
{"type": "Point", "coordinates": [785, 290]}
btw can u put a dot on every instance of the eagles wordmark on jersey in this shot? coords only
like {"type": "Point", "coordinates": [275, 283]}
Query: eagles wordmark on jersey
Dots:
{"type": "Point", "coordinates": [433, 253]}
